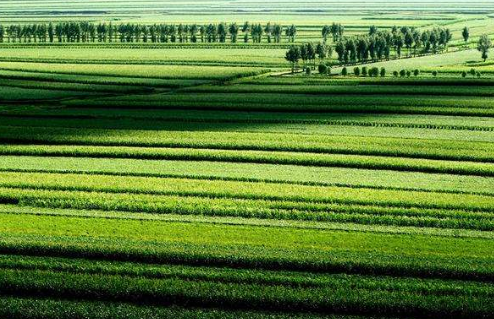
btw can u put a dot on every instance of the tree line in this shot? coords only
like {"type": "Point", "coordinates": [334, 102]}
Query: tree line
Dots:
{"type": "Point", "coordinates": [375, 46]}
{"type": "Point", "coordinates": [157, 33]}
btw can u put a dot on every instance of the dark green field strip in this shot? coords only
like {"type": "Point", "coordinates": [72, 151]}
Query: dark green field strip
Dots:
{"type": "Point", "coordinates": [97, 79]}
{"type": "Point", "coordinates": [358, 145]}
{"type": "Point", "coordinates": [250, 247]}
{"type": "Point", "coordinates": [335, 88]}
{"type": "Point", "coordinates": [219, 220]}
{"type": "Point", "coordinates": [197, 116]}
{"type": "Point", "coordinates": [305, 102]}
{"type": "Point", "coordinates": [242, 296]}
{"type": "Point", "coordinates": [284, 286]}
{"type": "Point", "coordinates": [261, 157]}
{"type": "Point", "coordinates": [322, 129]}
{"type": "Point", "coordinates": [37, 307]}
{"type": "Point", "coordinates": [284, 174]}
{"type": "Point", "coordinates": [368, 211]}
{"type": "Point", "coordinates": [298, 103]}
{"type": "Point", "coordinates": [246, 276]}
{"type": "Point", "coordinates": [65, 86]}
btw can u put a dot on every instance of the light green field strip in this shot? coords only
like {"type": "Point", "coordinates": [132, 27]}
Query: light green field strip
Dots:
{"type": "Point", "coordinates": [206, 234]}
{"type": "Point", "coordinates": [256, 172]}
{"type": "Point", "coordinates": [15, 209]}
{"type": "Point", "coordinates": [362, 210]}
{"type": "Point", "coordinates": [310, 248]}
{"type": "Point", "coordinates": [131, 70]}
{"type": "Point", "coordinates": [357, 145]}
{"type": "Point", "coordinates": [234, 189]}
{"type": "Point", "coordinates": [261, 157]}
{"type": "Point", "coordinates": [24, 94]}
{"type": "Point", "coordinates": [98, 79]}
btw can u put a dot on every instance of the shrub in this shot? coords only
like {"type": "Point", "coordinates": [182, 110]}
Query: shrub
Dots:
{"type": "Point", "coordinates": [434, 73]}
{"type": "Point", "coordinates": [395, 74]}
{"type": "Point", "coordinates": [356, 71]}
{"type": "Point", "coordinates": [323, 68]}
{"type": "Point", "coordinates": [464, 74]}
{"type": "Point", "coordinates": [416, 72]}
{"type": "Point", "coordinates": [364, 71]}
{"type": "Point", "coordinates": [473, 72]}
{"type": "Point", "coordinates": [409, 73]}
{"type": "Point", "coordinates": [344, 71]}
{"type": "Point", "coordinates": [403, 73]}
{"type": "Point", "coordinates": [383, 72]}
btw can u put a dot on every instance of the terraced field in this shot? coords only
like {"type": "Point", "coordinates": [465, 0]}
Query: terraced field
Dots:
{"type": "Point", "coordinates": [207, 182]}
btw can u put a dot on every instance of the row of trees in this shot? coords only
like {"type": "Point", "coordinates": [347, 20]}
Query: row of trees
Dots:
{"type": "Point", "coordinates": [378, 45]}
{"type": "Point", "coordinates": [157, 33]}
{"type": "Point", "coordinates": [308, 53]}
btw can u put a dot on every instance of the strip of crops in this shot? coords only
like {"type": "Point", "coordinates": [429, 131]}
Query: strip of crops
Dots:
{"type": "Point", "coordinates": [335, 88]}
{"type": "Point", "coordinates": [334, 211]}
{"type": "Point", "coordinates": [240, 296]}
{"type": "Point", "coordinates": [285, 158]}
{"type": "Point", "coordinates": [259, 247]}
{"type": "Point", "coordinates": [208, 126]}
{"type": "Point", "coordinates": [198, 116]}
{"type": "Point", "coordinates": [35, 308]}
{"type": "Point", "coordinates": [298, 224]}
{"type": "Point", "coordinates": [358, 145]}
{"type": "Point", "coordinates": [284, 174]}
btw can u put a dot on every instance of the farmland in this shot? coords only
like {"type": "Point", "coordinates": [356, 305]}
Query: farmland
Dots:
{"type": "Point", "coordinates": [183, 179]}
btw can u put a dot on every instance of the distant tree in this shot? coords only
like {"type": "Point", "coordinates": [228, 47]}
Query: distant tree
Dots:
{"type": "Point", "coordinates": [395, 74]}
{"type": "Point", "coordinates": [321, 51]}
{"type": "Point", "coordinates": [479, 74]}
{"type": "Point", "coordinates": [409, 73]}
{"type": "Point", "coordinates": [473, 72]}
{"type": "Point", "coordinates": [372, 30]}
{"type": "Point", "coordinates": [484, 45]}
{"type": "Point", "coordinates": [383, 72]}
{"type": "Point", "coordinates": [465, 34]}
{"type": "Point", "coordinates": [356, 71]}
{"type": "Point", "coordinates": [341, 51]}
{"type": "Point", "coordinates": [308, 71]}
{"type": "Point", "coordinates": [416, 72]}
{"type": "Point", "coordinates": [464, 74]}
{"type": "Point", "coordinates": [293, 56]}
{"type": "Point", "coordinates": [403, 73]}
{"type": "Point", "coordinates": [326, 31]}
{"type": "Point", "coordinates": [344, 71]}
{"type": "Point", "coordinates": [311, 54]}
{"type": "Point", "coordinates": [434, 73]}
{"type": "Point", "coordinates": [233, 29]}
{"type": "Point", "coordinates": [365, 71]}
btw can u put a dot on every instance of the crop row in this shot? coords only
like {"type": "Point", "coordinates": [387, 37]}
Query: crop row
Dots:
{"type": "Point", "coordinates": [335, 88]}
{"type": "Point", "coordinates": [358, 145]}
{"type": "Point", "coordinates": [274, 248]}
{"type": "Point", "coordinates": [249, 172]}
{"type": "Point", "coordinates": [195, 203]}
{"type": "Point", "coordinates": [241, 296]}
{"type": "Point", "coordinates": [198, 116]}
{"type": "Point", "coordinates": [294, 128]}
{"type": "Point", "coordinates": [36, 308]}
{"type": "Point", "coordinates": [285, 158]}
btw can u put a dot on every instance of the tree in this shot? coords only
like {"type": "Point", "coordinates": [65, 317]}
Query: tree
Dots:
{"type": "Point", "coordinates": [395, 74]}
{"type": "Point", "coordinates": [356, 71]}
{"type": "Point", "coordinates": [465, 34]}
{"type": "Point", "coordinates": [383, 72]}
{"type": "Point", "coordinates": [233, 29]}
{"type": "Point", "coordinates": [434, 73]}
{"type": "Point", "coordinates": [326, 30]}
{"type": "Point", "coordinates": [464, 74]}
{"type": "Point", "coordinates": [365, 71]}
{"type": "Point", "coordinates": [321, 51]}
{"type": "Point", "coordinates": [293, 56]}
{"type": "Point", "coordinates": [484, 45]}
{"type": "Point", "coordinates": [416, 72]}
{"type": "Point", "coordinates": [311, 54]}
{"type": "Point", "coordinates": [341, 51]}
{"type": "Point", "coordinates": [344, 71]}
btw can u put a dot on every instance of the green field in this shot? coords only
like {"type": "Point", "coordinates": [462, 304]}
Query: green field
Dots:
{"type": "Point", "coordinates": [205, 180]}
